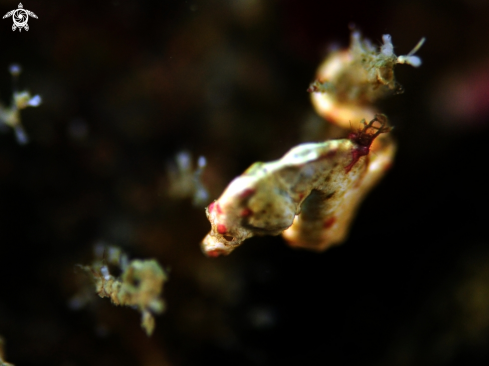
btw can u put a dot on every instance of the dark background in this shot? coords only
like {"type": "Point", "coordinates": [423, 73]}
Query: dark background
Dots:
{"type": "Point", "coordinates": [126, 85]}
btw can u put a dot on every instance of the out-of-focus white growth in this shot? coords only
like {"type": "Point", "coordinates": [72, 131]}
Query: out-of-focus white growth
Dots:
{"type": "Point", "coordinates": [23, 100]}
{"type": "Point", "coordinates": [15, 69]}
{"type": "Point", "coordinates": [35, 101]}
{"type": "Point", "coordinates": [139, 285]}
{"type": "Point", "coordinates": [185, 181]}
{"type": "Point", "coordinates": [10, 116]}
{"type": "Point", "coordinates": [202, 162]}
{"type": "Point", "coordinates": [21, 135]}
{"type": "Point", "coordinates": [201, 196]}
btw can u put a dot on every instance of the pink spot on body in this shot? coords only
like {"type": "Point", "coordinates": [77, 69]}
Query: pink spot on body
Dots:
{"type": "Point", "coordinates": [221, 229]}
{"type": "Point", "coordinates": [352, 136]}
{"type": "Point", "coordinates": [211, 207]}
{"type": "Point", "coordinates": [215, 253]}
{"type": "Point", "coordinates": [329, 222]}
{"type": "Point", "coordinates": [218, 208]}
{"type": "Point", "coordinates": [356, 155]}
{"type": "Point", "coordinates": [246, 193]}
{"type": "Point", "coordinates": [329, 155]}
{"type": "Point", "coordinates": [246, 212]}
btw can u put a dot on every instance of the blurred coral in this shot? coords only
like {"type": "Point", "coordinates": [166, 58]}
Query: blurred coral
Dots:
{"type": "Point", "coordinates": [139, 284]}
{"type": "Point", "coordinates": [10, 116]}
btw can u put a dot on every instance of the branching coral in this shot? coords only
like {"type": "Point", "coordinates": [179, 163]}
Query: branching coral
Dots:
{"type": "Point", "coordinates": [10, 116]}
{"type": "Point", "coordinates": [139, 285]}
{"type": "Point", "coordinates": [311, 195]}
